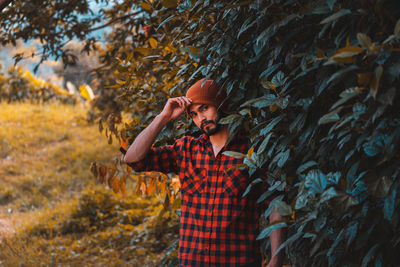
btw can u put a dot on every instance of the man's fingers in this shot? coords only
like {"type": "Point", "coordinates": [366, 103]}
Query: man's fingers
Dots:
{"type": "Point", "coordinates": [188, 101]}
{"type": "Point", "coordinates": [175, 101]}
{"type": "Point", "coordinates": [182, 103]}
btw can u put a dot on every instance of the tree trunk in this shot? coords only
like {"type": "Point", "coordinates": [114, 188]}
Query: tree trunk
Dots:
{"type": "Point", "coordinates": [4, 3]}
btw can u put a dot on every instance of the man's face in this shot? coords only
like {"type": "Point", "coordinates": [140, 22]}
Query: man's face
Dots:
{"type": "Point", "coordinates": [205, 117]}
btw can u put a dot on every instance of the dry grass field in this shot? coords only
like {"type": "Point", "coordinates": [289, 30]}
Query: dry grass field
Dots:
{"type": "Point", "coordinates": [53, 212]}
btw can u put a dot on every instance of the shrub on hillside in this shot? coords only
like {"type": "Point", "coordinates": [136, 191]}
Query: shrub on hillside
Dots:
{"type": "Point", "coordinates": [21, 85]}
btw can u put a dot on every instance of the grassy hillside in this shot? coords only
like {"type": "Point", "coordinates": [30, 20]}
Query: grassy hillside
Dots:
{"type": "Point", "coordinates": [53, 212]}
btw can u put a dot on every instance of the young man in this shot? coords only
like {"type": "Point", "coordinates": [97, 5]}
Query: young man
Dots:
{"type": "Point", "coordinates": [218, 226]}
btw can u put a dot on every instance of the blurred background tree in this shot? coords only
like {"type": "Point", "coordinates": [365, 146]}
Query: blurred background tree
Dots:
{"type": "Point", "coordinates": [313, 83]}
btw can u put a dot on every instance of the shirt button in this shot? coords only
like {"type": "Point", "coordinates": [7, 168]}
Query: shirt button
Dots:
{"type": "Point", "coordinates": [209, 210]}
{"type": "Point", "coordinates": [208, 229]}
{"type": "Point", "coordinates": [212, 190]}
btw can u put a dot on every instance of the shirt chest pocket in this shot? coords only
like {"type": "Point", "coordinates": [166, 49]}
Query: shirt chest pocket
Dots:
{"type": "Point", "coordinates": [235, 182]}
{"type": "Point", "coordinates": [194, 182]}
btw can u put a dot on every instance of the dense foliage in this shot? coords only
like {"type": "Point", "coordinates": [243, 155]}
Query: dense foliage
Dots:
{"type": "Point", "coordinates": [314, 83]}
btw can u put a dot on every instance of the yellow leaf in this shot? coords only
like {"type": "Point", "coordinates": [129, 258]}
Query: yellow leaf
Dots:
{"type": "Point", "coordinates": [321, 53]}
{"type": "Point", "coordinates": [151, 186]}
{"type": "Point", "coordinates": [143, 188]}
{"type": "Point", "coordinates": [176, 185]}
{"type": "Point", "coordinates": [86, 91]}
{"type": "Point", "coordinates": [128, 169]}
{"type": "Point", "coordinates": [364, 78]}
{"type": "Point", "coordinates": [355, 49]}
{"type": "Point", "coordinates": [250, 152]}
{"type": "Point", "coordinates": [166, 203]}
{"type": "Point", "coordinates": [273, 108]}
{"type": "Point", "coordinates": [102, 173]}
{"type": "Point", "coordinates": [124, 144]}
{"type": "Point", "coordinates": [153, 42]}
{"type": "Point", "coordinates": [93, 169]}
{"type": "Point", "coordinates": [372, 47]}
{"type": "Point", "coordinates": [176, 204]}
{"type": "Point", "coordinates": [130, 56]}
{"type": "Point", "coordinates": [143, 50]}
{"type": "Point", "coordinates": [122, 185]}
{"type": "Point", "coordinates": [114, 184]}
{"type": "Point", "coordinates": [138, 186]}
{"type": "Point", "coordinates": [347, 54]}
{"type": "Point", "coordinates": [169, 3]}
{"type": "Point", "coordinates": [145, 6]}
{"type": "Point", "coordinates": [112, 169]}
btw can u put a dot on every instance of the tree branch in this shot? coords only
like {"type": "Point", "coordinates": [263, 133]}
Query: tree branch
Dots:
{"type": "Point", "coordinates": [4, 3]}
{"type": "Point", "coordinates": [114, 20]}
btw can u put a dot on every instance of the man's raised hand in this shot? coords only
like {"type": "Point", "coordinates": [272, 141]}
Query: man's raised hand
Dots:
{"type": "Point", "coordinates": [175, 107]}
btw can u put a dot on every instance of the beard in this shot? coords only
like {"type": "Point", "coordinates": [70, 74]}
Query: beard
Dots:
{"type": "Point", "coordinates": [209, 130]}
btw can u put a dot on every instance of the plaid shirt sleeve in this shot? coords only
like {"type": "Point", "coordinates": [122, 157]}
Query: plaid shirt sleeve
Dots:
{"type": "Point", "coordinates": [162, 159]}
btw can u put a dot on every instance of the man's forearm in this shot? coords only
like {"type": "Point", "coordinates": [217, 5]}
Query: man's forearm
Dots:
{"type": "Point", "coordinates": [143, 142]}
{"type": "Point", "coordinates": [276, 238]}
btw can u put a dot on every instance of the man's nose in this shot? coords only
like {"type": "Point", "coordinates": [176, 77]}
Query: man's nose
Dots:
{"type": "Point", "coordinates": [201, 117]}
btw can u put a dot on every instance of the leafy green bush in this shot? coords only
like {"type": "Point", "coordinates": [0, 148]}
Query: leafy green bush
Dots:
{"type": "Point", "coordinates": [314, 84]}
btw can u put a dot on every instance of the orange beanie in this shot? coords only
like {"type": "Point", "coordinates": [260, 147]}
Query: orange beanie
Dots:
{"type": "Point", "coordinates": [206, 94]}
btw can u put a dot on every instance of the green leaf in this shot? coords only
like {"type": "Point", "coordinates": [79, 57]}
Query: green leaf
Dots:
{"type": "Point", "coordinates": [374, 85]}
{"type": "Point", "coordinates": [389, 204]}
{"type": "Point", "coordinates": [330, 117]}
{"type": "Point", "coordinates": [351, 232]}
{"type": "Point", "coordinates": [345, 201]}
{"type": "Point", "coordinates": [234, 154]}
{"type": "Point", "coordinates": [397, 28]}
{"type": "Point", "coordinates": [316, 182]}
{"type": "Point", "coordinates": [388, 97]}
{"type": "Point", "coordinates": [267, 129]}
{"type": "Point", "coordinates": [278, 79]}
{"type": "Point", "coordinates": [367, 258]}
{"type": "Point", "coordinates": [283, 208]}
{"type": "Point", "coordinates": [328, 194]}
{"type": "Point", "coordinates": [339, 73]}
{"type": "Point", "coordinates": [346, 95]}
{"type": "Point", "coordinates": [230, 119]}
{"type": "Point", "coordinates": [305, 166]}
{"type": "Point", "coordinates": [337, 240]}
{"type": "Point", "coordinates": [364, 40]}
{"type": "Point", "coordinates": [254, 182]}
{"type": "Point", "coordinates": [283, 157]}
{"type": "Point", "coordinates": [271, 206]}
{"type": "Point", "coordinates": [289, 241]}
{"type": "Point", "coordinates": [264, 144]}
{"type": "Point", "coordinates": [270, 228]}
{"type": "Point", "coordinates": [261, 102]}
{"type": "Point", "coordinates": [270, 70]}
{"type": "Point", "coordinates": [335, 16]}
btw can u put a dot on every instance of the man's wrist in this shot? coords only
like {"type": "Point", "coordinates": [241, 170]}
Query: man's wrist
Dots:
{"type": "Point", "coordinates": [163, 119]}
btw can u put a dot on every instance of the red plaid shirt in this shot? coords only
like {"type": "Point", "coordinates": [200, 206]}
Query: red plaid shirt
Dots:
{"type": "Point", "coordinates": [218, 227]}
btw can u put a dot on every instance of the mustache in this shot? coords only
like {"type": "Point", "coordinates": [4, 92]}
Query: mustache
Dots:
{"type": "Point", "coordinates": [203, 123]}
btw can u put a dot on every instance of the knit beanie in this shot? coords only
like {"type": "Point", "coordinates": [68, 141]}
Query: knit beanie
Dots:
{"type": "Point", "coordinates": [206, 94]}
